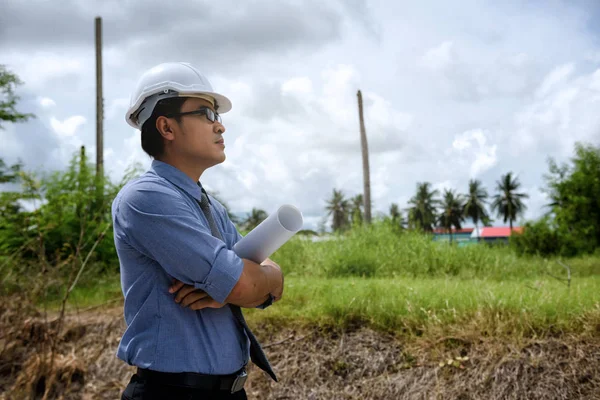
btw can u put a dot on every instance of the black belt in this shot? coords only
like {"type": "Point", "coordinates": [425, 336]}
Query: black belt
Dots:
{"type": "Point", "coordinates": [233, 382]}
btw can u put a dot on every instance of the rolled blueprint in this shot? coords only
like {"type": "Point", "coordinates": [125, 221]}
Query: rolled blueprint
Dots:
{"type": "Point", "coordinates": [270, 234]}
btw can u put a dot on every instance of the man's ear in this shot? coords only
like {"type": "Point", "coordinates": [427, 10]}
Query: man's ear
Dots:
{"type": "Point", "coordinates": [163, 126]}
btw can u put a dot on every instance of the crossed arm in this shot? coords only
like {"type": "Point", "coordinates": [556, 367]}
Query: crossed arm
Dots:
{"type": "Point", "coordinates": [157, 221]}
{"type": "Point", "coordinates": [249, 292]}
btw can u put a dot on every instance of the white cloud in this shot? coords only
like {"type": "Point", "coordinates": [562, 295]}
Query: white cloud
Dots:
{"type": "Point", "coordinates": [554, 78]}
{"type": "Point", "coordinates": [440, 57]}
{"type": "Point", "coordinates": [11, 146]}
{"type": "Point", "coordinates": [39, 67]}
{"type": "Point", "coordinates": [117, 108]}
{"type": "Point", "coordinates": [476, 89]}
{"type": "Point", "coordinates": [444, 185]}
{"type": "Point", "coordinates": [47, 102]}
{"type": "Point", "coordinates": [564, 111]}
{"type": "Point", "coordinates": [67, 127]}
{"type": "Point", "coordinates": [473, 146]}
{"type": "Point", "coordinates": [300, 85]}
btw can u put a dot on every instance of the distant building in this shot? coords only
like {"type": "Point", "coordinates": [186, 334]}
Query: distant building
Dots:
{"type": "Point", "coordinates": [460, 236]}
{"type": "Point", "coordinates": [466, 236]}
{"type": "Point", "coordinates": [494, 234]}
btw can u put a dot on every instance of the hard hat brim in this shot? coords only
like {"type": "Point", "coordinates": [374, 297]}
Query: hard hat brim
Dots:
{"type": "Point", "coordinates": [223, 105]}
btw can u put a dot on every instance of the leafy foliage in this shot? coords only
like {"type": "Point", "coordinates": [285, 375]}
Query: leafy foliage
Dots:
{"type": "Point", "coordinates": [475, 203]}
{"type": "Point", "coordinates": [66, 212]}
{"type": "Point", "coordinates": [8, 98]}
{"type": "Point", "coordinates": [423, 213]}
{"type": "Point", "coordinates": [338, 207]}
{"type": "Point", "coordinates": [254, 218]}
{"type": "Point", "coordinates": [508, 203]}
{"type": "Point", "coordinates": [573, 224]}
{"type": "Point", "coordinates": [357, 206]}
{"type": "Point", "coordinates": [452, 214]}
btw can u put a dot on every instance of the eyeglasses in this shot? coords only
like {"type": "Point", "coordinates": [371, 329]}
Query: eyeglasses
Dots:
{"type": "Point", "coordinates": [210, 114]}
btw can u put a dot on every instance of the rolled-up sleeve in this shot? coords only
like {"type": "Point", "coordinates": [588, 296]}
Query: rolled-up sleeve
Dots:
{"type": "Point", "coordinates": [159, 223]}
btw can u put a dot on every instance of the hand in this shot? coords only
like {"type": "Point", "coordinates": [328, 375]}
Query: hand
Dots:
{"type": "Point", "coordinates": [278, 291]}
{"type": "Point", "coordinates": [189, 296]}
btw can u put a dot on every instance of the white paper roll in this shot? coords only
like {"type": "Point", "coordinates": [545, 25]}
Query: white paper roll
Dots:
{"type": "Point", "coordinates": [270, 234]}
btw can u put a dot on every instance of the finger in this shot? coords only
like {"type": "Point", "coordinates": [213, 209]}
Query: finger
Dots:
{"type": "Point", "coordinates": [184, 291]}
{"type": "Point", "coordinates": [176, 286]}
{"type": "Point", "coordinates": [193, 297]}
{"type": "Point", "coordinates": [206, 302]}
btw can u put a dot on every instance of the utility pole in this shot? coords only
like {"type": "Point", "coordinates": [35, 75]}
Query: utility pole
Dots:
{"type": "Point", "coordinates": [99, 100]}
{"type": "Point", "coordinates": [365, 157]}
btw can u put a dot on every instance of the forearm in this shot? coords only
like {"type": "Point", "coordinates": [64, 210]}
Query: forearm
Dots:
{"type": "Point", "coordinates": [255, 303]}
{"type": "Point", "coordinates": [255, 284]}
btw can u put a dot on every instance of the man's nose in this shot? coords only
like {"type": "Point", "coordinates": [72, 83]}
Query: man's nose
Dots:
{"type": "Point", "coordinates": [219, 127]}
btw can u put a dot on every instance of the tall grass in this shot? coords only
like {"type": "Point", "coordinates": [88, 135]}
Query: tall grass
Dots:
{"type": "Point", "coordinates": [382, 251]}
{"type": "Point", "coordinates": [407, 283]}
{"type": "Point", "coordinates": [441, 307]}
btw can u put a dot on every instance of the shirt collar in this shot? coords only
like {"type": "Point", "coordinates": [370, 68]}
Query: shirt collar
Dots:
{"type": "Point", "coordinates": [178, 178]}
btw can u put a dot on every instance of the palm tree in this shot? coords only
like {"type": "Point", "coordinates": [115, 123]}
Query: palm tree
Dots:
{"type": "Point", "coordinates": [423, 211]}
{"type": "Point", "coordinates": [254, 218]}
{"type": "Point", "coordinates": [339, 208]}
{"type": "Point", "coordinates": [452, 214]}
{"type": "Point", "coordinates": [508, 202]}
{"type": "Point", "coordinates": [396, 215]}
{"type": "Point", "coordinates": [475, 204]}
{"type": "Point", "coordinates": [357, 204]}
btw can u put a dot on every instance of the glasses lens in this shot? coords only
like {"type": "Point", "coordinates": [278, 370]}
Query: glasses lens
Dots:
{"type": "Point", "coordinates": [212, 116]}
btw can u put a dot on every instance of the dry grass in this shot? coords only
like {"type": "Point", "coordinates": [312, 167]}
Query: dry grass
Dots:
{"type": "Point", "coordinates": [315, 363]}
{"type": "Point", "coordinates": [365, 364]}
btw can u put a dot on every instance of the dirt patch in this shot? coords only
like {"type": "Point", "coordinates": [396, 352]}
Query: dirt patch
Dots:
{"type": "Point", "coordinates": [310, 363]}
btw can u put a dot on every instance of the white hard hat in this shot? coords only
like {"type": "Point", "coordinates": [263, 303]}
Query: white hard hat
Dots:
{"type": "Point", "coordinates": [176, 79]}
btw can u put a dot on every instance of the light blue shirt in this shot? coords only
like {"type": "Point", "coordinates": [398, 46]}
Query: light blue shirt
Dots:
{"type": "Point", "coordinates": [161, 233]}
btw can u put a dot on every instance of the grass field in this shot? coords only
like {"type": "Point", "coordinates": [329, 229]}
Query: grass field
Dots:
{"type": "Point", "coordinates": [412, 286]}
{"type": "Point", "coordinates": [422, 307]}
{"type": "Point", "coordinates": [376, 314]}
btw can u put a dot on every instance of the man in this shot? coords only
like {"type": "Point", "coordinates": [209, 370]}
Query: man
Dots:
{"type": "Point", "coordinates": [183, 284]}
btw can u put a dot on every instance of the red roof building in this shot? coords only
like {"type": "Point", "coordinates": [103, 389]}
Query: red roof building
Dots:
{"type": "Point", "coordinates": [497, 232]}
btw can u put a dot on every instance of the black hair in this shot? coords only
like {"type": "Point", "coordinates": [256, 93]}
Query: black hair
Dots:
{"type": "Point", "coordinates": [152, 141]}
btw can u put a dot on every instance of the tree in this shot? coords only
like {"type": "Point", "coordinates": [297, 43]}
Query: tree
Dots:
{"type": "Point", "coordinates": [574, 191]}
{"type": "Point", "coordinates": [67, 217]}
{"type": "Point", "coordinates": [10, 208]}
{"type": "Point", "coordinates": [8, 98]}
{"type": "Point", "coordinates": [357, 204]}
{"type": "Point", "coordinates": [396, 216]}
{"type": "Point", "coordinates": [508, 203]}
{"type": "Point", "coordinates": [338, 207]}
{"type": "Point", "coordinates": [475, 204]}
{"type": "Point", "coordinates": [9, 174]}
{"type": "Point", "coordinates": [254, 218]}
{"type": "Point", "coordinates": [423, 212]}
{"type": "Point", "coordinates": [452, 214]}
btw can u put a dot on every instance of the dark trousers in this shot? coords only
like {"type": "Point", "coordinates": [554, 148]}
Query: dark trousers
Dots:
{"type": "Point", "coordinates": [142, 389]}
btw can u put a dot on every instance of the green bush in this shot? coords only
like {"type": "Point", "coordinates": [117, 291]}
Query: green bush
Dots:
{"type": "Point", "coordinates": [538, 238]}
{"type": "Point", "coordinates": [71, 210]}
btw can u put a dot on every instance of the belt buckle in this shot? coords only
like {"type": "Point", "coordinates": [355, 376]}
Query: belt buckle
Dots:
{"type": "Point", "coordinates": [240, 380]}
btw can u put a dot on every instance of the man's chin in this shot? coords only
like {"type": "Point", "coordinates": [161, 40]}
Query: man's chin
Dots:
{"type": "Point", "coordinates": [219, 159]}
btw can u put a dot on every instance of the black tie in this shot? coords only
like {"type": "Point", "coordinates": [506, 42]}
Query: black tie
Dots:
{"type": "Point", "coordinates": [256, 352]}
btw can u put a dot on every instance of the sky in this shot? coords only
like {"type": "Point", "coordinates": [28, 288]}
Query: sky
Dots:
{"type": "Point", "coordinates": [452, 92]}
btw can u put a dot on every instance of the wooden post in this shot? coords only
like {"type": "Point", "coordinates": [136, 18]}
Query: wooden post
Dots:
{"type": "Point", "coordinates": [99, 100]}
{"type": "Point", "coordinates": [365, 158]}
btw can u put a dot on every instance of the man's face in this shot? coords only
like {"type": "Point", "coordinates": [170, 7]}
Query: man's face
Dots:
{"type": "Point", "coordinates": [197, 137]}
